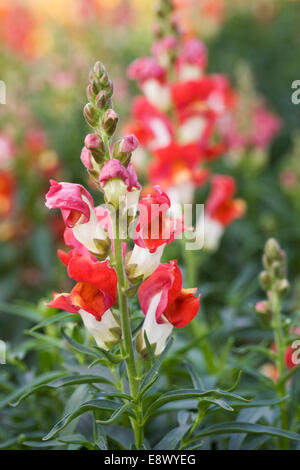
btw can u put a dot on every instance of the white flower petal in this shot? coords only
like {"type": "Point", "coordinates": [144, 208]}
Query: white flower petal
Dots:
{"type": "Point", "coordinates": [156, 332]}
{"type": "Point", "coordinates": [100, 330]}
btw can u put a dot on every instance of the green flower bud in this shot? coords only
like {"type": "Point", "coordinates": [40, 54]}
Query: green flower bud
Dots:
{"type": "Point", "coordinates": [282, 286]}
{"type": "Point", "coordinates": [265, 280]}
{"type": "Point", "coordinates": [91, 114]}
{"type": "Point", "coordinates": [109, 122]}
{"type": "Point", "coordinates": [273, 250]}
{"type": "Point", "coordinates": [99, 69]}
{"type": "Point", "coordinates": [102, 100]}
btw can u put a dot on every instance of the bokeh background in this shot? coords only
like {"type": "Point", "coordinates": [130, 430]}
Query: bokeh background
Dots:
{"type": "Point", "coordinates": [46, 51]}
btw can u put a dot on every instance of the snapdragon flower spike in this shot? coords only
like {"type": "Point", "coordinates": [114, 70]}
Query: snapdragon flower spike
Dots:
{"type": "Point", "coordinates": [166, 305]}
{"type": "Point", "coordinates": [153, 232]}
{"type": "Point", "coordinates": [221, 209]}
{"type": "Point", "coordinates": [92, 297]}
{"type": "Point", "coordinates": [77, 208]}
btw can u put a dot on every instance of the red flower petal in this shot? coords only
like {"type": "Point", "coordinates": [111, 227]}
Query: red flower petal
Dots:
{"type": "Point", "coordinates": [99, 274]}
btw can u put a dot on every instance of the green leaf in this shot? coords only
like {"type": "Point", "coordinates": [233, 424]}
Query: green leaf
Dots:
{"type": "Point", "coordinates": [189, 393]}
{"type": "Point", "coordinates": [254, 373]}
{"type": "Point", "coordinates": [54, 319]}
{"type": "Point", "coordinates": [148, 386]}
{"type": "Point", "coordinates": [79, 379]}
{"type": "Point", "coordinates": [254, 348]}
{"type": "Point", "coordinates": [172, 439]}
{"type": "Point", "coordinates": [156, 365]}
{"type": "Point", "coordinates": [20, 311]}
{"type": "Point", "coordinates": [42, 445]}
{"type": "Point", "coordinates": [93, 405]}
{"type": "Point", "coordinates": [220, 403]}
{"type": "Point", "coordinates": [28, 388]}
{"type": "Point", "coordinates": [249, 428]}
{"type": "Point", "coordinates": [49, 340]}
{"type": "Point", "coordinates": [197, 382]}
{"type": "Point", "coordinates": [81, 348]}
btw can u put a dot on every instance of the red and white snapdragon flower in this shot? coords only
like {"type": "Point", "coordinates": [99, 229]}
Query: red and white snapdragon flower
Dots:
{"type": "Point", "coordinates": [166, 305]}
{"type": "Point", "coordinates": [220, 209]}
{"type": "Point", "coordinates": [98, 259]}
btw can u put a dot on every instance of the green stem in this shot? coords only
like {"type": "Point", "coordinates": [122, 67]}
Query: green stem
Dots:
{"type": "Point", "coordinates": [127, 336]}
{"type": "Point", "coordinates": [280, 348]}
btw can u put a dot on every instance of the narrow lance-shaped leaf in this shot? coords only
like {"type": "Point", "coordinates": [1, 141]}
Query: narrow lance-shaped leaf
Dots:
{"type": "Point", "coordinates": [93, 405]}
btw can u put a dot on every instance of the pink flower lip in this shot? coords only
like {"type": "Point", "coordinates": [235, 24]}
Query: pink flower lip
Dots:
{"type": "Point", "coordinates": [68, 197]}
{"type": "Point", "coordinates": [113, 169]}
{"type": "Point", "coordinates": [144, 69]}
{"type": "Point", "coordinates": [86, 158]}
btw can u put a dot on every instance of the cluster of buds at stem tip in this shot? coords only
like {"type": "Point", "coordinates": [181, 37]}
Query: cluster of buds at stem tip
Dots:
{"type": "Point", "coordinates": [98, 149]}
{"type": "Point", "coordinates": [166, 22]}
{"type": "Point", "coordinates": [273, 278]}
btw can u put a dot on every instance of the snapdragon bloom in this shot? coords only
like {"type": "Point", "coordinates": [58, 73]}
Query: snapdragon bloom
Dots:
{"type": "Point", "coordinates": [220, 209]}
{"type": "Point", "coordinates": [166, 305]}
{"type": "Point", "coordinates": [92, 297]}
{"type": "Point", "coordinates": [77, 208]}
{"type": "Point", "coordinates": [153, 232]}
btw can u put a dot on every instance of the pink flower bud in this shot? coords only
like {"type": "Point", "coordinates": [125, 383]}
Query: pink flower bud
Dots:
{"type": "Point", "coordinates": [110, 121]}
{"type": "Point", "coordinates": [92, 141]}
{"type": "Point", "coordinates": [130, 143]}
{"type": "Point", "coordinates": [86, 158]}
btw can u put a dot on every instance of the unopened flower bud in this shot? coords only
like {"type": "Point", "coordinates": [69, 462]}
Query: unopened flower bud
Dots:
{"type": "Point", "coordinates": [109, 88]}
{"type": "Point", "coordinates": [104, 79]}
{"type": "Point", "coordinates": [265, 280]}
{"type": "Point", "coordinates": [282, 286]}
{"type": "Point", "coordinates": [273, 250]}
{"type": "Point", "coordinates": [89, 93]}
{"type": "Point", "coordinates": [96, 87]}
{"type": "Point", "coordinates": [110, 121]}
{"type": "Point", "coordinates": [86, 158]}
{"type": "Point", "coordinates": [124, 147]}
{"type": "Point", "coordinates": [279, 269]}
{"type": "Point", "coordinates": [263, 307]}
{"type": "Point", "coordinates": [91, 114]}
{"type": "Point", "coordinates": [99, 69]}
{"type": "Point", "coordinates": [95, 144]}
{"type": "Point", "coordinates": [102, 100]}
